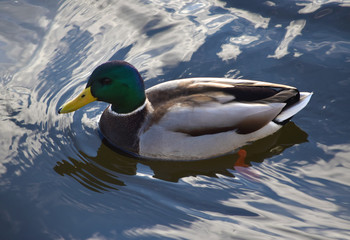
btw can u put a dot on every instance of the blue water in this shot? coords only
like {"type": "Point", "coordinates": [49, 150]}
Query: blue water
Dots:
{"type": "Point", "coordinates": [58, 180]}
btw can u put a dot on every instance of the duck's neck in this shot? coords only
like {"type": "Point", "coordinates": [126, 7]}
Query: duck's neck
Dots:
{"type": "Point", "coordinates": [130, 104]}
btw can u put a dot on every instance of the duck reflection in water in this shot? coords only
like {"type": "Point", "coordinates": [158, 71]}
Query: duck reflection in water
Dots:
{"type": "Point", "coordinates": [104, 172]}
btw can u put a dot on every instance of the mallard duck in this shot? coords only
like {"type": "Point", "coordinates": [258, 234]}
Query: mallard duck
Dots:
{"type": "Point", "coordinates": [186, 119]}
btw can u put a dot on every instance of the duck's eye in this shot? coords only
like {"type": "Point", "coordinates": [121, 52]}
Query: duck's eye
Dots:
{"type": "Point", "coordinates": [106, 81]}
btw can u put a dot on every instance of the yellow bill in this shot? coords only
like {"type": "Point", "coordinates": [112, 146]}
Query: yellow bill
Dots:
{"type": "Point", "coordinates": [85, 97]}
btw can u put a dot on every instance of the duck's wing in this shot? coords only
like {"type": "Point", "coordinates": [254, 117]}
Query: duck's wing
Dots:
{"type": "Point", "coordinates": [201, 106]}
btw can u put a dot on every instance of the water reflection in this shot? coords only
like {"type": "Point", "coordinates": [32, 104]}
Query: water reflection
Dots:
{"type": "Point", "coordinates": [102, 172]}
{"type": "Point", "coordinates": [293, 30]}
{"type": "Point", "coordinates": [310, 6]}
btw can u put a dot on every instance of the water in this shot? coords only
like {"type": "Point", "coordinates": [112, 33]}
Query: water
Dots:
{"type": "Point", "coordinates": [60, 181]}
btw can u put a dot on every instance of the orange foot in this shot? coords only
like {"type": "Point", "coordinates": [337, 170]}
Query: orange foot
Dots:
{"type": "Point", "coordinates": [242, 168]}
{"type": "Point", "coordinates": [242, 154]}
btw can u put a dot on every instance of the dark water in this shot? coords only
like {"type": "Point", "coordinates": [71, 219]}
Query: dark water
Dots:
{"type": "Point", "coordinates": [58, 180]}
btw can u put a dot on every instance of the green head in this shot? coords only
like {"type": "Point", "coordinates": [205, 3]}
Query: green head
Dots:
{"type": "Point", "coordinates": [115, 82]}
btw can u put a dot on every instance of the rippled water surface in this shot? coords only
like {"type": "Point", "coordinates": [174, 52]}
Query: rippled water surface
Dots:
{"type": "Point", "coordinates": [58, 179]}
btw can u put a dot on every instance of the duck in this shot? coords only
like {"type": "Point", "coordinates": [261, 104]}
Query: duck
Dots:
{"type": "Point", "coordinates": [185, 119]}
